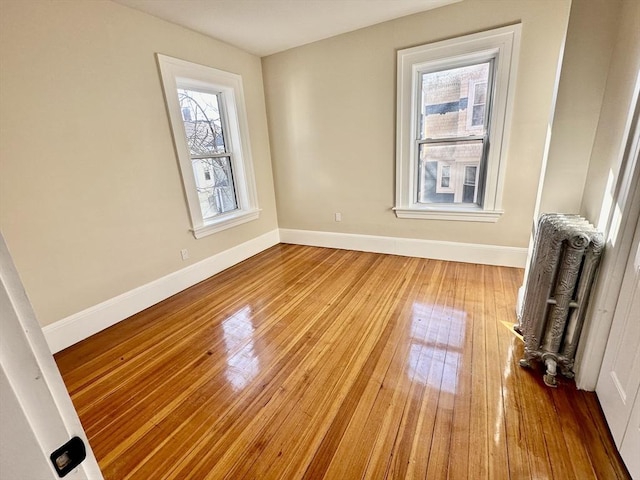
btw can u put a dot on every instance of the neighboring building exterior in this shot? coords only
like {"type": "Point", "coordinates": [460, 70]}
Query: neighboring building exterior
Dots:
{"type": "Point", "coordinates": [455, 107]}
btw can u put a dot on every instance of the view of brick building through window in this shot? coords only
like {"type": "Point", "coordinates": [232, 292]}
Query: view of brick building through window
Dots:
{"type": "Point", "coordinates": [453, 133]}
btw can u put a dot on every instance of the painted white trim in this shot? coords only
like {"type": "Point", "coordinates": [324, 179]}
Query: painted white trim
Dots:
{"type": "Point", "coordinates": [503, 46]}
{"type": "Point", "coordinates": [227, 221]}
{"type": "Point", "coordinates": [466, 215]}
{"type": "Point", "coordinates": [543, 170]}
{"type": "Point", "coordinates": [410, 247]}
{"type": "Point", "coordinates": [35, 383]}
{"type": "Point", "coordinates": [176, 73]}
{"type": "Point", "coordinates": [81, 325]}
{"type": "Point", "coordinates": [621, 217]}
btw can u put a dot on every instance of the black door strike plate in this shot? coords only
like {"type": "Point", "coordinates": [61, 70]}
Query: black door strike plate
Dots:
{"type": "Point", "coordinates": [68, 456]}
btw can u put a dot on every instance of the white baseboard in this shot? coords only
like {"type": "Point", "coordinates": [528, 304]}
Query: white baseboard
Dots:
{"type": "Point", "coordinates": [410, 247]}
{"type": "Point", "coordinates": [81, 325]}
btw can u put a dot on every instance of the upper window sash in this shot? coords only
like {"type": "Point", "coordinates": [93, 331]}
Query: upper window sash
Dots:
{"type": "Point", "coordinates": [500, 46]}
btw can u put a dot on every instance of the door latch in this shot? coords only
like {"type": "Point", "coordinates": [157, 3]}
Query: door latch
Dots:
{"type": "Point", "coordinates": [68, 456]}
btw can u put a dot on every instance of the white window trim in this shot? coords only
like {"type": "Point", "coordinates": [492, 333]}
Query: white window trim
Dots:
{"type": "Point", "coordinates": [178, 73]}
{"type": "Point", "coordinates": [502, 44]}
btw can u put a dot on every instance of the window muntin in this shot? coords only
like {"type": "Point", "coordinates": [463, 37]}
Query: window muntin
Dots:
{"type": "Point", "coordinates": [492, 104]}
{"type": "Point", "coordinates": [211, 136]}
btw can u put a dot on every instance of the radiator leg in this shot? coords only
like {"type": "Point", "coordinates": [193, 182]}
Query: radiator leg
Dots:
{"type": "Point", "coordinates": [567, 371]}
{"type": "Point", "coordinates": [525, 361]}
{"type": "Point", "coordinates": [550, 376]}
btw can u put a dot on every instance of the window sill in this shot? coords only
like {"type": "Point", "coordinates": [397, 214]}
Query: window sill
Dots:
{"type": "Point", "coordinates": [455, 214]}
{"type": "Point", "coordinates": [225, 221]}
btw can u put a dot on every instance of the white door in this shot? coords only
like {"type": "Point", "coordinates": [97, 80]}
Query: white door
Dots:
{"type": "Point", "coordinates": [631, 441]}
{"type": "Point", "coordinates": [36, 413]}
{"type": "Point", "coordinates": [619, 380]}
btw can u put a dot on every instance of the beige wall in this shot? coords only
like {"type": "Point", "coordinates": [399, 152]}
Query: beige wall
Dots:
{"type": "Point", "coordinates": [603, 175]}
{"type": "Point", "coordinates": [331, 109]}
{"type": "Point", "coordinates": [91, 202]}
{"type": "Point", "coordinates": [609, 139]}
{"type": "Point", "coordinates": [593, 26]}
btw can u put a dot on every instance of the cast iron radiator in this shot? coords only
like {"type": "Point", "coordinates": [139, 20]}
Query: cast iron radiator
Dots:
{"type": "Point", "coordinates": [566, 254]}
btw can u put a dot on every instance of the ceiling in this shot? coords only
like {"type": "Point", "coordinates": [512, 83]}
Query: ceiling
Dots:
{"type": "Point", "coordinates": [263, 27]}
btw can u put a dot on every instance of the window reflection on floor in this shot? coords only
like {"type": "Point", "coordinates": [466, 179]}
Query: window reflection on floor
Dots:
{"type": "Point", "coordinates": [436, 346]}
{"type": "Point", "coordinates": [242, 362]}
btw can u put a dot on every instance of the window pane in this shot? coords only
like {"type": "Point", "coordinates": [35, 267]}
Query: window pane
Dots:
{"type": "Point", "coordinates": [202, 122]}
{"type": "Point", "coordinates": [470, 175]}
{"type": "Point", "coordinates": [468, 193]}
{"type": "Point", "coordinates": [469, 188]}
{"type": "Point", "coordinates": [463, 159]}
{"type": "Point", "coordinates": [480, 93]}
{"type": "Point", "coordinates": [446, 103]}
{"type": "Point", "coordinates": [214, 182]}
{"type": "Point", "coordinates": [477, 117]}
{"type": "Point", "coordinates": [445, 177]}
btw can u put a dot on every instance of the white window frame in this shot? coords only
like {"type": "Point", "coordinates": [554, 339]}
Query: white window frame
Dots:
{"type": "Point", "coordinates": [178, 73]}
{"type": "Point", "coordinates": [501, 45]}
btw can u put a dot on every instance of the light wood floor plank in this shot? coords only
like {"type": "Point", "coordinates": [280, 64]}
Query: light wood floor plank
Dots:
{"type": "Point", "coordinates": [514, 410]}
{"type": "Point", "coordinates": [305, 362]}
{"type": "Point", "coordinates": [460, 440]}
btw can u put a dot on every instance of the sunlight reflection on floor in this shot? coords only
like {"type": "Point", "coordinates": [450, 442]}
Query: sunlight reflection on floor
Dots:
{"type": "Point", "coordinates": [242, 365]}
{"type": "Point", "coordinates": [437, 339]}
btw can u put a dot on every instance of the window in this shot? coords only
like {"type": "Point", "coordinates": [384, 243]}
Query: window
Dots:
{"type": "Point", "coordinates": [210, 133]}
{"type": "Point", "coordinates": [452, 130]}
{"type": "Point", "coordinates": [444, 178]}
{"type": "Point", "coordinates": [470, 185]}
{"type": "Point", "coordinates": [476, 116]}
{"type": "Point", "coordinates": [454, 101]}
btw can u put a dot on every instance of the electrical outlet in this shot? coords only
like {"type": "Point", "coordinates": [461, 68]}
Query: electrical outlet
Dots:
{"type": "Point", "coordinates": [338, 217]}
{"type": "Point", "coordinates": [184, 253]}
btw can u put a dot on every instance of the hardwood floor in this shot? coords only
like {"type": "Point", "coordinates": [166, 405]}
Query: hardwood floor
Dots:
{"type": "Point", "coordinates": [312, 363]}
